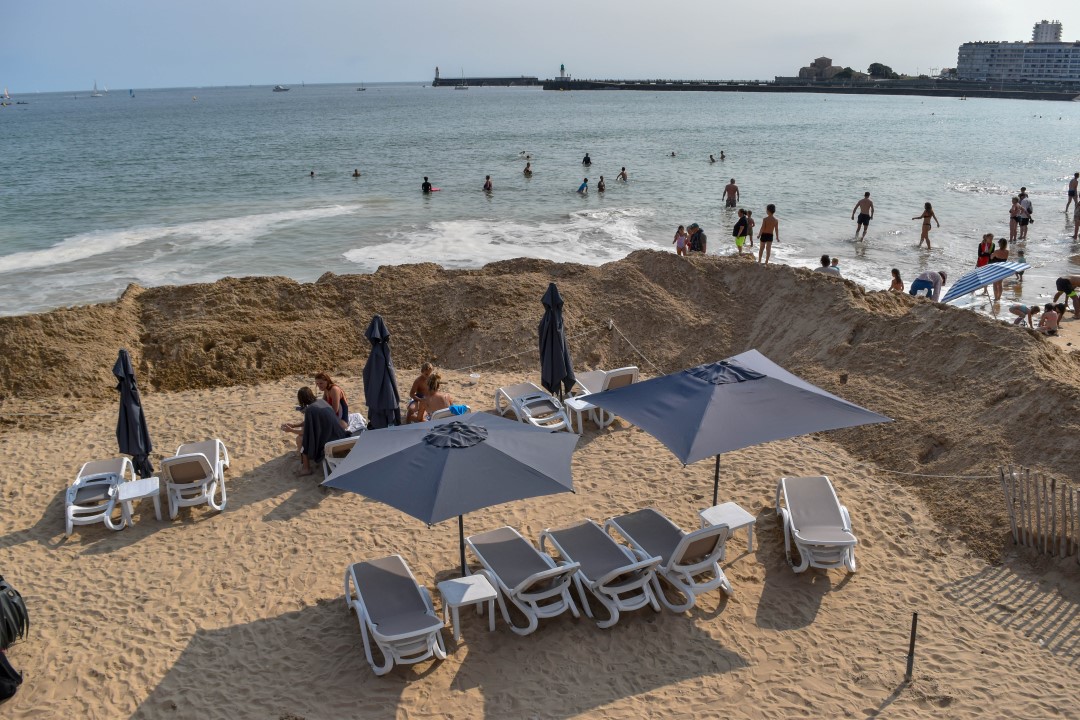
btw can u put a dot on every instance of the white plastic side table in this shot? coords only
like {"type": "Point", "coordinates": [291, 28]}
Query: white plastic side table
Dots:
{"type": "Point", "coordinates": [734, 517]}
{"type": "Point", "coordinates": [578, 406]}
{"type": "Point", "coordinates": [469, 590]}
{"type": "Point", "coordinates": [137, 490]}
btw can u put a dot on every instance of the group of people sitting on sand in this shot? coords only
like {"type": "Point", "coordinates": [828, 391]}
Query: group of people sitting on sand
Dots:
{"type": "Point", "coordinates": [327, 418]}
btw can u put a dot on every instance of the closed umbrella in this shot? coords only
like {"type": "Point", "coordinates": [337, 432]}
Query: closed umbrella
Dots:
{"type": "Point", "coordinates": [556, 368]}
{"type": "Point", "coordinates": [981, 277]}
{"type": "Point", "coordinates": [727, 405]}
{"type": "Point", "coordinates": [380, 380]}
{"type": "Point", "coordinates": [132, 435]}
{"type": "Point", "coordinates": [434, 471]}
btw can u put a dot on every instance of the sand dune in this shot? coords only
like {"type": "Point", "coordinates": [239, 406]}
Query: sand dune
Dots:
{"type": "Point", "coordinates": [239, 614]}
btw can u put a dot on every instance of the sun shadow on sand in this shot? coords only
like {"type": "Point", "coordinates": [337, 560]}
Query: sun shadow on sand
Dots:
{"type": "Point", "coordinates": [788, 600]}
{"type": "Point", "coordinates": [1043, 614]}
{"type": "Point", "coordinates": [583, 667]}
{"type": "Point", "coordinates": [310, 663]}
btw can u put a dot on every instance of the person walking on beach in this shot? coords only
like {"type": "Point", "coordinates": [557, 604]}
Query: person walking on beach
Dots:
{"type": "Point", "coordinates": [622, 175]}
{"type": "Point", "coordinates": [425, 187]}
{"type": "Point", "coordinates": [926, 217]}
{"type": "Point", "coordinates": [740, 231]}
{"type": "Point", "coordinates": [1014, 218]}
{"type": "Point", "coordinates": [1072, 191]}
{"type": "Point", "coordinates": [601, 186]}
{"type": "Point", "coordinates": [731, 194]}
{"type": "Point", "coordinates": [1025, 215]}
{"type": "Point", "coordinates": [865, 208]}
{"type": "Point", "coordinates": [583, 188]}
{"type": "Point", "coordinates": [586, 161]}
{"type": "Point", "coordinates": [930, 281]}
{"type": "Point", "coordinates": [998, 256]}
{"type": "Point", "coordinates": [487, 183]}
{"type": "Point", "coordinates": [770, 231]}
{"type": "Point", "coordinates": [680, 241]}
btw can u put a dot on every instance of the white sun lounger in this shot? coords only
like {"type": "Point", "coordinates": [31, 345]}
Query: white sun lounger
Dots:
{"type": "Point", "coordinates": [596, 381]}
{"type": "Point", "coordinates": [335, 451]}
{"type": "Point", "coordinates": [504, 396]}
{"type": "Point", "coordinates": [611, 572]}
{"type": "Point", "coordinates": [92, 497]}
{"type": "Point", "coordinates": [815, 522]}
{"type": "Point", "coordinates": [195, 475]}
{"type": "Point", "coordinates": [529, 579]}
{"type": "Point", "coordinates": [690, 562]}
{"type": "Point", "coordinates": [447, 412]}
{"type": "Point", "coordinates": [395, 613]}
{"type": "Point", "coordinates": [532, 404]}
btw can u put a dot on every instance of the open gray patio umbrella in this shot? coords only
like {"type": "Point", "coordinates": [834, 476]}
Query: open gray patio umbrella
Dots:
{"type": "Point", "coordinates": [380, 380]}
{"type": "Point", "coordinates": [728, 405]}
{"type": "Point", "coordinates": [436, 470]}
{"type": "Point", "coordinates": [132, 435]}
{"type": "Point", "coordinates": [556, 368]}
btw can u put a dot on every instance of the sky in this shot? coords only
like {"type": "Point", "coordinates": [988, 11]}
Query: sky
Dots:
{"type": "Point", "coordinates": [65, 45]}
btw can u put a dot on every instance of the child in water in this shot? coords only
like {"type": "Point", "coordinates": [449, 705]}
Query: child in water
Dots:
{"type": "Point", "coordinates": [897, 284]}
{"type": "Point", "coordinates": [680, 241]}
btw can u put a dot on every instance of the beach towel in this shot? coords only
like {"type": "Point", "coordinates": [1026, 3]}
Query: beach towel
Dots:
{"type": "Point", "coordinates": [459, 409]}
{"type": "Point", "coordinates": [321, 425]}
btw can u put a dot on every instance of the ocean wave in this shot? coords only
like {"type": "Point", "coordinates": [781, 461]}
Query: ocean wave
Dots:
{"type": "Point", "coordinates": [240, 230]}
{"type": "Point", "coordinates": [590, 237]}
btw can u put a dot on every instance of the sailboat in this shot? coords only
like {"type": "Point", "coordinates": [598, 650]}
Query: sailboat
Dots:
{"type": "Point", "coordinates": [94, 92]}
{"type": "Point", "coordinates": [463, 85]}
{"type": "Point", "coordinates": [361, 88]}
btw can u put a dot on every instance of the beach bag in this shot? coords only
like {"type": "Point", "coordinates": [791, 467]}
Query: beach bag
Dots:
{"type": "Point", "coordinates": [10, 678]}
{"type": "Point", "coordinates": [14, 620]}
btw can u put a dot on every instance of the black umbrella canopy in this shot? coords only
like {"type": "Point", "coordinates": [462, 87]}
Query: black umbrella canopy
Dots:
{"type": "Point", "coordinates": [434, 471]}
{"type": "Point", "coordinates": [556, 368]}
{"type": "Point", "coordinates": [380, 380]}
{"type": "Point", "coordinates": [132, 435]}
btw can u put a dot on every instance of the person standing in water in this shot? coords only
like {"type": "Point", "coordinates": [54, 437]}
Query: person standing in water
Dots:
{"type": "Point", "coordinates": [487, 184]}
{"type": "Point", "coordinates": [770, 232]}
{"type": "Point", "coordinates": [601, 186]}
{"type": "Point", "coordinates": [528, 169]}
{"type": "Point", "coordinates": [926, 217]}
{"type": "Point", "coordinates": [1072, 191]}
{"type": "Point", "coordinates": [621, 175]}
{"type": "Point", "coordinates": [356, 172]}
{"type": "Point", "coordinates": [425, 187]}
{"type": "Point", "coordinates": [583, 188]}
{"type": "Point", "coordinates": [731, 194]}
{"type": "Point", "coordinates": [586, 161]}
{"type": "Point", "coordinates": [865, 207]}
{"type": "Point", "coordinates": [711, 158]}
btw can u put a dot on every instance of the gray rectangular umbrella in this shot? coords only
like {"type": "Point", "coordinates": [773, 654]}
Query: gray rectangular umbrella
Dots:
{"type": "Point", "coordinates": [132, 435]}
{"type": "Point", "coordinates": [434, 471]}
{"type": "Point", "coordinates": [728, 405]}
{"type": "Point", "coordinates": [380, 380]}
{"type": "Point", "coordinates": [556, 368]}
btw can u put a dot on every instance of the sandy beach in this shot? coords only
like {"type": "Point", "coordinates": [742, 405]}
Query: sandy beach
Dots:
{"type": "Point", "coordinates": [239, 614]}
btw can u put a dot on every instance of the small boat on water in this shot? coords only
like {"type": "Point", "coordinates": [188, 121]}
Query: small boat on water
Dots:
{"type": "Point", "coordinates": [94, 92]}
{"type": "Point", "coordinates": [280, 88]}
{"type": "Point", "coordinates": [361, 88]}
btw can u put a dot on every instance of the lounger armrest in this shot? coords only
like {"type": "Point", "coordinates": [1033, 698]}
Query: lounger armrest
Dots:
{"type": "Point", "coordinates": [847, 518]}
{"type": "Point", "coordinates": [641, 566]}
{"type": "Point", "coordinates": [558, 575]}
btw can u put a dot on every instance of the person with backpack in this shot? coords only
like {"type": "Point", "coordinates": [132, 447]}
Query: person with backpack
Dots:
{"type": "Point", "coordinates": [697, 239]}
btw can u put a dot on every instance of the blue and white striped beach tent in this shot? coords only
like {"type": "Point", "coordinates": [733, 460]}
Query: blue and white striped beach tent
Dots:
{"type": "Point", "coordinates": [981, 277]}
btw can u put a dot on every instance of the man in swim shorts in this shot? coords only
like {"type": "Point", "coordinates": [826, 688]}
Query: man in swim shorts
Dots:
{"type": "Point", "coordinates": [1069, 286]}
{"type": "Point", "coordinates": [731, 194]}
{"type": "Point", "coordinates": [931, 281]}
{"type": "Point", "coordinates": [865, 207]}
{"type": "Point", "coordinates": [425, 187]}
{"type": "Point", "coordinates": [1072, 191]}
{"type": "Point", "coordinates": [586, 161]}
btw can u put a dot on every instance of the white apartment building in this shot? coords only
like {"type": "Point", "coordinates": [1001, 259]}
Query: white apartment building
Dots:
{"type": "Point", "coordinates": [1042, 60]}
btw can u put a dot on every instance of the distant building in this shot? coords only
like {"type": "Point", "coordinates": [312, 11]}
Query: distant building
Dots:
{"type": "Point", "coordinates": [820, 69]}
{"type": "Point", "coordinates": [1044, 59]}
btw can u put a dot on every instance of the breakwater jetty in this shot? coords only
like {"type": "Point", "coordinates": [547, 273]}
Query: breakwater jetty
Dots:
{"type": "Point", "coordinates": [929, 88]}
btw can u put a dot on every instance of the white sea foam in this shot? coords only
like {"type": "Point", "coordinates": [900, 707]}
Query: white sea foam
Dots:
{"type": "Point", "coordinates": [229, 231]}
{"type": "Point", "coordinates": [588, 236]}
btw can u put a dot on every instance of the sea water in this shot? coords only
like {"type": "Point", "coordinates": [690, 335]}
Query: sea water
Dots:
{"type": "Point", "coordinates": [191, 185]}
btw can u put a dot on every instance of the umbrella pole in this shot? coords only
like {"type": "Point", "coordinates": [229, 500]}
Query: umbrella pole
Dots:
{"type": "Point", "coordinates": [716, 482]}
{"type": "Point", "coordinates": [461, 542]}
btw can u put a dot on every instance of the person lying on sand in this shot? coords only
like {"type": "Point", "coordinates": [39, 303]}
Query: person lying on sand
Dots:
{"type": "Point", "coordinates": [417, 393]}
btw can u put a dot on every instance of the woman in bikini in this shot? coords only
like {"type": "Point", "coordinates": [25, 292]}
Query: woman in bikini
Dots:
{"type": "Point", "coordinates": [334, 397]}
{"type": "Point", "coordinates": [998, 256]}
{"type": "Point", "coordinates": [1014, 216]}
{"type": "Point", "coordinates": [434, 400]}
{"type": "Point", "coordinates": [926, 217]}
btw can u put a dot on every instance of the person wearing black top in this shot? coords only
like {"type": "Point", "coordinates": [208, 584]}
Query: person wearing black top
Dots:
{"type": "Point", "coordinates": [426, 187]}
